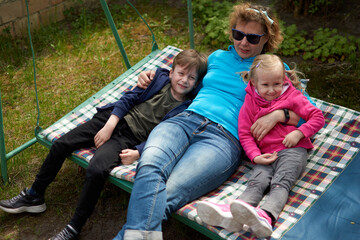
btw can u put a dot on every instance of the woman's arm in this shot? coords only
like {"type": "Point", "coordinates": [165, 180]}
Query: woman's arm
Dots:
{"type": "Point", "coordinates": [264, 124]}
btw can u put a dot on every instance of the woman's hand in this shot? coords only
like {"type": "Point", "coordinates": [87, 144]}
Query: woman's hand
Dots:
{"type": "Point", "coordinates": [265, 159]}
{"type": "Point", "coordinates": [291, 139]}
{"type": "Point", "coordinates": [128, 156]}
{"type": "Point", "coordinates": [145, 78]}
{"type": "Point", "coordinates": [264, 124]}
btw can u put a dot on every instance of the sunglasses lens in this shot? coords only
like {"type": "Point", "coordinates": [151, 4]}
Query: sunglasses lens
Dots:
{"type": "Point", "coordinates": [238, 36]}
{"type": "Point", "coordinates": [253, 39]}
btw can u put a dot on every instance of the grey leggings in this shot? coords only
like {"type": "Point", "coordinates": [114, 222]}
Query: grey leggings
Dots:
{"type": "Point", "coordinates": [281, 175]}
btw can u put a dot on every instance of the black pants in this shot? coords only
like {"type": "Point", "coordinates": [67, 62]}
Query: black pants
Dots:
{"type": "Point", "coordinates": [103, 161]}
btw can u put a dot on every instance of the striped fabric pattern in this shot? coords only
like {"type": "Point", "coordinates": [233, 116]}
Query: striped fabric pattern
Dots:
{"type": "Point", "coordinates": [335, 146]}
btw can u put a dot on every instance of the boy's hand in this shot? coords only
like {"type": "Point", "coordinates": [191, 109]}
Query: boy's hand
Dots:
{"type": "Point", "coordinates": [265, 159]}
{"type": "Point", "coordinates": [145, 78]}
{"type": "Point", "coordinates": [291, 139]}
{"type": "Point", "coordinates": [105, 133]}
{"type": "Point", "coordinates": [128, 156]}
{"type": "Point", "coordinates": [102, 136]}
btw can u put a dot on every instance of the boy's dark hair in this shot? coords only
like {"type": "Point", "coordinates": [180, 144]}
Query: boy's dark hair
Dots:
{"type": "Point", "coordinates": [190, 58]}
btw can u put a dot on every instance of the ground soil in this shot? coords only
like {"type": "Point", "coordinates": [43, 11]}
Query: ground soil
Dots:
{"type": "Point", "coordinates": [110, 212]}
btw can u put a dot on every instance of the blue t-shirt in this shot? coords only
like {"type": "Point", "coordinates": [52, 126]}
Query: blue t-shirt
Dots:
{"type": "Point", "coordinates": [223, 90]}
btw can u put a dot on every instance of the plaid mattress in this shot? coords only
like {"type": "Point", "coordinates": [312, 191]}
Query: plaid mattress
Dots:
{"type": "Point", "coordinates": [335, 145]}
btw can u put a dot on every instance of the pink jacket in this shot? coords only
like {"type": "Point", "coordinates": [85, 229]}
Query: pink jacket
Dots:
{"type": "Point", "coordinates": [255, 107]}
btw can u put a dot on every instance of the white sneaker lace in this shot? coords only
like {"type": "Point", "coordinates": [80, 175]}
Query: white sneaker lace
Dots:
{"type": "Point", "coordinates": [14, 199]}
{"type": "Point", "coordinates": [65, 234]}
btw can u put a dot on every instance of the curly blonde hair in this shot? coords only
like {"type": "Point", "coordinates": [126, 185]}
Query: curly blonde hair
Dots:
{"type": "Point", "coordinates": [246, 12]}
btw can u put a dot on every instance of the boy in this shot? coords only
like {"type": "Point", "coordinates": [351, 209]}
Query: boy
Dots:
{"type": "Point", "coordinates": [118, 131]}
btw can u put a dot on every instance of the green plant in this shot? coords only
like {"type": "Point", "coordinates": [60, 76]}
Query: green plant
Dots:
{"type": "Point", "coordinates": [317, 5]}
{"type": "Point", "coordinates": [325, 45]}
{"type": "Point", "coordinates": [293, 42]}
{"type": "Point", "coordinates": [212, 21]}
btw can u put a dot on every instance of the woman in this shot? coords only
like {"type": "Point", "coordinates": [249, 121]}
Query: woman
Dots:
{"type": "Point", "coordinates": [196, 151]}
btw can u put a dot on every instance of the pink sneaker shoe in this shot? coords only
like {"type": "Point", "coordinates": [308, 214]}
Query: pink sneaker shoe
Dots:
{"type": "Point", "coordinates": [217, 215]}
{"type": "Point", "coordinates": [256, 218]}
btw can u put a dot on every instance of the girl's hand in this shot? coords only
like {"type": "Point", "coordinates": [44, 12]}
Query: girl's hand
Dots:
{"type": "Point", "coordinates": [145, 78]}
{"type": "Point", "coordinates": [264, 124]}
{"type": "Point", "coordinates": [128, 156]}
{"type": "Point", "coordinates": [265, 159]}
{"type": "Point", "coordinates": [291, 139]}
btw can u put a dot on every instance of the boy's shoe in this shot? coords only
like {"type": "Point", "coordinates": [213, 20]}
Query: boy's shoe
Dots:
{"type": "Point", "coordinates": [68, 233]}
{"type": "Point", "coordinates": [23, 203]}
{"type": "Point", "coordinates": [218, 215]}
{"type": "Point", "coordinates": [256, 218]}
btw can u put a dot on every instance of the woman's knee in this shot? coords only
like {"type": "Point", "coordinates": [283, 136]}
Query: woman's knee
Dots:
{"type": "Point", "coordinates": [155, 158]}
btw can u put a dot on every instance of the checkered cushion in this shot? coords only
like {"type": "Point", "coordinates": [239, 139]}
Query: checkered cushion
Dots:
{"type": "Point", "coordinates": [334, 147]}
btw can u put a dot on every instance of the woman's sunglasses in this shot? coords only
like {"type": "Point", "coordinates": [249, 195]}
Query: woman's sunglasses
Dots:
{"type": "Point", "coordinates": [251, 38]}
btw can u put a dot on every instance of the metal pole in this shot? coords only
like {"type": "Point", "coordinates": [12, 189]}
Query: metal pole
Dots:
{"type": "Point", "coordinates": [191, 25]}
{"type": "Point", "coordinates": [3, 155]}
{"type": "Point", "coordinates": [115, 33]}
{"type": "Point", "coordinates": [3, 159]}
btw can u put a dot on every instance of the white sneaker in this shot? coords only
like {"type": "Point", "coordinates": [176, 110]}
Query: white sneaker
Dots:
{"type": "Point", "coordinates": [256, 218]}
{"type": "Point", "coordinates": [217, 215]}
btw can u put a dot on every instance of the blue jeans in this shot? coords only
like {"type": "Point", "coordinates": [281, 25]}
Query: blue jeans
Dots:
{"type": "Point", "coordinates": [184, 158]}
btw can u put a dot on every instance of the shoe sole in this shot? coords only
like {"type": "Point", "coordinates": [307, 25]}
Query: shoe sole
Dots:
{"type": "Point", "coordinates": [213, 215]}
{"type": "Point", "coordinates": [246, 214]}
{"type": "Point", "coordinates": [33, 209]}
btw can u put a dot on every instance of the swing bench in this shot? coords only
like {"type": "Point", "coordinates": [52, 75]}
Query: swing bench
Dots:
{"type": "Point", "coordinates": [332, 165]}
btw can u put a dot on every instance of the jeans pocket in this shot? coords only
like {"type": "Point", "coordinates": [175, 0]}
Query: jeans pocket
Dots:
{"type": "Point", "coordinates": [229, 136]}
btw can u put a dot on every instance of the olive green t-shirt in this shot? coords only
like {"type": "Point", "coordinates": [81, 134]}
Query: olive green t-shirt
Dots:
{"type": "Point", "coordinates": [144, 117]}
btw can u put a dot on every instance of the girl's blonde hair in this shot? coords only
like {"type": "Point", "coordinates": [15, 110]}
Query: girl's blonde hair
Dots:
{"type": "Point", "coordinates": [268, 62]}
{"type": "Point", "coordinates": [247, 12]}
